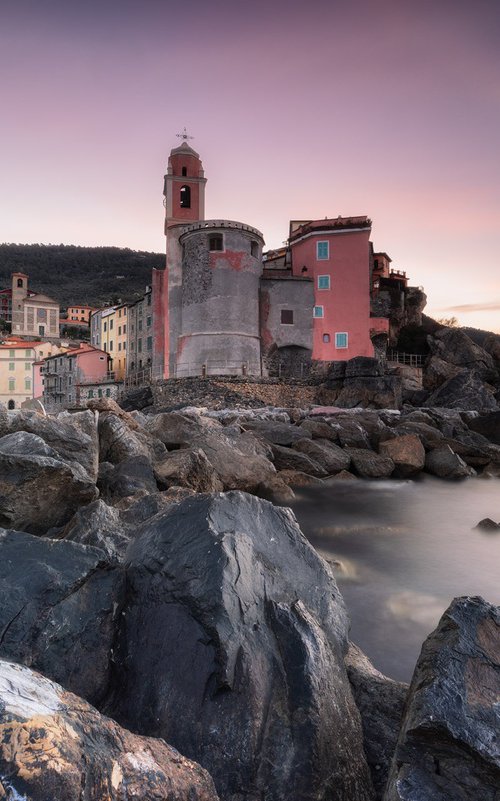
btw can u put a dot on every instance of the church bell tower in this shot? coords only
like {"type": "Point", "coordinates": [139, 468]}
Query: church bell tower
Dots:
{"type": "Point", "coordinates": [184, 186]}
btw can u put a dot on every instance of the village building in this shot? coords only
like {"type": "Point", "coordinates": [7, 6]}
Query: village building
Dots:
{"type": "Point", "coordinates": [79, 314]}
{"type": "Point", "coordinates": [19, 379]}
{"type": "Point", "coordinates": [72, 378]}
{"type": "Point", "coordinates": [139, 342]}
{"type": "Point", "coordinates": [224, 306]}
{"type": "Point", "coordinates": [33, 315]}
{"type": "Point", "coordinates": [108, 331]}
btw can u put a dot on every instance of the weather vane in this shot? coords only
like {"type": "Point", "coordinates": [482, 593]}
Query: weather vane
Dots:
{"type": "Point", "coordinates": [184, 135]}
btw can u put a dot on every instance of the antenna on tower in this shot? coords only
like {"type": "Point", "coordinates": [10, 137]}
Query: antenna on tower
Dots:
{"type": "Point", "coordinates": [184, 135]}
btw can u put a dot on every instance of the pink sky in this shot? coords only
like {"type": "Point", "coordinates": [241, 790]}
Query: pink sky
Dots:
{"type": "Point", "coordinates": [389, 108]}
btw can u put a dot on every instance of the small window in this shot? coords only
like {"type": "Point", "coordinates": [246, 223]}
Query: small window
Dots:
{"type": "Point", "coordinates": [184, 172]}
{"type": "Point", "coordinates": [215, 242]}
{"type": "Point", "coordinates": [341, 340]}
{"type": "Point", "coordinates": [119, 346]}
{"type": "Point", "coordinates": [124, 329]}
{"type": "Point", "coordinates": [323, 282]}
{"type": "Point", "coordinates": [149, 300]}
{"type": "Point", "coordinates": [111, 325]}
{"type": "Point", "coordinates": [11, 404]}
{"type": "Point", "coordinates": [149, 343]}
{"type": "Point", "coordinates": [27, 383]}
{"type": "Point", "coordinates": [111, 346]}
{"type": "Point", "coordinates": [322, 250]}
{"type": "Point", "coordinates": [20, 282]}
{"type": "Point", "coordinates": [139, 327]}
{"type": "Point", "coordinates": [28, 354]}
{"type": "Point", "coordinates": [99, 393]}
{"type": "Point", "coordinates": [91, 393]}
{"type": "Point", "coordinates": [326, 338]}
{"type": "Point", "coordinates": [286, 316]}
{"type": "Point", "coordinates": [12, 385]}
{"type": "Point", "coordinates": [12, 354]}
{"type": "Point", "coordinates": [108, 392]}
{"type": "Point", "coordinates": [185, 197]}
{"type": "Point", "coordinates": [139, 346]}
{"type": "Point", "coordinates": [124, 346]}
{"type": "Point", "coordinates": [27, 365]}
{"type": "Point", "coordinates": [254, 248]}
{"type": "Point", "coordinates": [119, 330]}
{"type": "Point", "coordinates": [148, 321]}
{"type": "Point", "coordinates": [105, 327]}
{"type": "Point", "coordinates": [12, 366]}
{"type": "Point", "coordinates": [318, 311]}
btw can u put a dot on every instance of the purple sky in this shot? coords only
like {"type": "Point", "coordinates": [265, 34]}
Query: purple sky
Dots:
{"type": "Point", "coordinates": [389, 108]}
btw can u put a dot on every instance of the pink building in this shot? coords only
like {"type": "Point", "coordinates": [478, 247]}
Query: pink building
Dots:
{"type": "Point", "coordinates": [67, 376]}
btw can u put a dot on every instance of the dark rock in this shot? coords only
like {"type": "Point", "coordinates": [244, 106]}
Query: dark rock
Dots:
{"type": "Point", "coordinates": [58, 606]}
{"type": "Point", "coordinates": [296, 479]}
{"type": "Point", "coordinates": [488, 425]}
{"type": "Point", "coordinates": [187, 468]}
{"type": "Point", "coordinates": [55, 746]}
{"type": "Point", "coordinates": [121, 439]}
{"type": "Point", "coordinates": [437, 371]}
{"type": "Point", "coordinates": [344, 475]}
{"type": "Point", "coordinates": [448, 744]}
{"type": "Point", "coordinates": [137, 398]}
{"type": "Point", "coordinates": [430, 436]}
{"type": "Point", "coordinates": [407, 453]}
{"type": "Point", "coordinates": [464, 391]}
{"type": "Point", "coordinates": [290, 459]}
{"type": "Point", "coordinates": [332, 458]}
{"type": "Point", "coordinates": [351, 434]}
{"type": "Point", "coordinates": [276, 490]}
{"type": "Point", "coordinates": [380, 701]}
{"type": "Point", "coordinates": [277, 433]}
{"type": "Point", "coordinates": [232, 649]}
{"type": "Point", "coordinates": [38, 490]}
{"type": "Point", "coordinates": [371, 392]}
{"type": "Point", "coordinates": [236, 468]}
{"type": "Point", "coordinates": [363, 366]}
{"type": "Point", "coordinates": [455, 347]}
{"type": "Point", "coordinates": [130, 476]}
{"type": "Point", "coordinates": [445, 463]}
{"type": "Point", "coordinates": [487, 524]}
{"type": "Point", "coordinates": [177, 430]}
{"type": "Point", "coordinates": [320, 430]}
{"type": "Point", "coordinates": [368, 464]}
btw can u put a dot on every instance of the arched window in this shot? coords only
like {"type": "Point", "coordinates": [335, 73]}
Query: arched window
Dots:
{"type": "Point", "coordinates": [215, 242]}
{"type": "Point", "coordinates": [184, 172]}
{"type": "Point", "coordinates": [185, 197]}
{"type": "Point", "coordinates": [254, 248]}
{"type": "Point", "coordinates": [11, 404]}
{"type": "Point", "coordinates": [20, 282]}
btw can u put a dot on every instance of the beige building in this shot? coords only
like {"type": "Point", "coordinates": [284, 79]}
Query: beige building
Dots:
{"type": "Point", "coordinates": [17, 359]}
{"type": "Point", "coordinates": [32, 315]}
{"type": "Point", "coordinates": [108, 330]}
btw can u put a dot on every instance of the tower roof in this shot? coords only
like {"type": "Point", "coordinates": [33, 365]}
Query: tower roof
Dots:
{"type": "Point", "coordinates": [184, 149]}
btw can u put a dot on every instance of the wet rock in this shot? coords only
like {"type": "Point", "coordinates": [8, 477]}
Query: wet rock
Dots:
{"type": "Point", "coordinates": [187, 468]}
{"type": "Point", "coordinates": [407, 453]}
{"type": "Point", "coordinates": [291, 459]}
{"type": "Point", "coordinates": [137, 398]}
{"type": "Point", "coordinates": [369, 464]}
{"type": "Point", "coordinates": [363, 366]}
{"type": "Point", "coordinates": [445, 463]}
{"type": "Point", "coordinates": [276, 490]}
{"type": "Point", "coordinates": [487, 524]}
{"type": "Point", "coordinates": [326, 453]}
{"type": "Point", "coordinates": [38, 490]}
{"type": "Point", "coordinates": [448, 744]}
{"type": "Point", "coordinates": [380, 701]}
{"type": "Point", "coordinates": [55, 746]}
{"type": "Point", "coordinates": [58, 606]}
{"type": "Point", "coordinates": [232, 649]}
{"type": "Point", "coordinates": [344, 475]}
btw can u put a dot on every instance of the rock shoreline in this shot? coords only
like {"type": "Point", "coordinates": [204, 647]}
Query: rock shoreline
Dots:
{"type": "Point", "coordinates": [150, 593]}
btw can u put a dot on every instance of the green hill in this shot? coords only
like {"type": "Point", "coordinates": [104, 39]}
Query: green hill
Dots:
{"type": "Point", "coordinates": [73, 275]}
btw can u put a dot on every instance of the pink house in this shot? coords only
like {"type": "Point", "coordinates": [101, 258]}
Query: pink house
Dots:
{"type": "Point", "coordinates": [335, 253]}
{"type": "Point", "coordinates": [68, 376]}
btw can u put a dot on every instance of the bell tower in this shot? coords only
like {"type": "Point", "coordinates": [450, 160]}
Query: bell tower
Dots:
{"type": "Point", "coordinates": [184, 186]}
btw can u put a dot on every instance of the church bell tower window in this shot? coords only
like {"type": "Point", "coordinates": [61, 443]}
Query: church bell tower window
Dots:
{"type": "Point", "coordinates": [185, 197]}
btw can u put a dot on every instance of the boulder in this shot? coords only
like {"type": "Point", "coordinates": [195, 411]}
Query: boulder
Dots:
{"type": "Point", "coordinates": [73, 437]}
{"type": "Point", "coordinates": [177, 430]}
{"type": "Point", "coordinates": [121, 439]}
{"type": "Point", "coordinates": [370, 392]}
{"type": "Point", "coordinates": [363, 366]}
{"type": "Point", "coordinates": [488, 425]}
{"type": "Point", "coordinates": [369, 464]}
{"type": "Point", "coordinates": [38, 490]}
{"type": "Point", "coordinates": [464, 391]}
{"type": "Point", "coordinates": [137, 398]}
{"type": "Point", "coordinates": [297, 479]}
{"type": "Point", "coordinates": [58, 605]}
{"type": "Point", "coordinates": [344, 475]}
{"type": "Point", "coordinates": [445, 463]}
{"type": "Point", "coordinates": [277, 433]}
{"type": "Point", "coordinates": [448, 744]}
{"type": "Point", "coordinates": [231, 648]}
{"type": "Point", "coordinates": [187, 468]}
{"type": "Point", "coordinates": [487, 524]}
{"type": "Point", "coordinates": [236, 467]}
{"type": "Point", "coordinates": [129, 477]}
{"type": "Point", "coordinates": [430, 436]}
{"type": "Point", "coordinates": [291, 459]}
{"type": "Point", "coordinates": [326, 453]}
{"type": "Point", "coordinates": [407, 453]}
{"type": "Point", "coordinates": [437, 371]}
{"type": "Point", "coordinates": [351, 434]}
{"type": "Point", "coordinates": [380, 701]}
{"type": "Point", "coordinates": [55, 746]}
{"type": "Point", "coordinates": [319, 429]}
{"type": "Point", "coordinates": [454, 346]}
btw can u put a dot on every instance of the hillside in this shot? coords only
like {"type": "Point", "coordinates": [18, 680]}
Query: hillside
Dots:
{"type": "Point", "coordinates": [73, 275]}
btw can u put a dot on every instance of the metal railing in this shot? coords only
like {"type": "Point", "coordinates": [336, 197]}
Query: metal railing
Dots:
{"type": "Point", "coordinates": [410, 359]}
{"type": "Point", "coordinates": [215, 368]}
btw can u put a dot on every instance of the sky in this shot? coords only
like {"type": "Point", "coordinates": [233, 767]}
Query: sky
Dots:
{"type": "Point", "coordinates": [299, 110]}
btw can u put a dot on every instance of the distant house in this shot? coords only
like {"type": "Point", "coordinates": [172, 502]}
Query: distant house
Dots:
{"type": "Point", "coordinates": [73, 377]}
{"type": "Point", "coordinates": [108, 330]}
{"type": "Point", "coordinates": [33, 315]}
{"type": "Point", "coordinates": [18, 372]}
{"type": "Point", "coordinates": [79, 314]}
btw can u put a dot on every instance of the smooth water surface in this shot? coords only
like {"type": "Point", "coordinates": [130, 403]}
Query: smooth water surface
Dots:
{"type": "Point", "coordinates": [400, 552]}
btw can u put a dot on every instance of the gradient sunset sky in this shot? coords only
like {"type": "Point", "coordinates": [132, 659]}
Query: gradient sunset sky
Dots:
{"type": "Point", "coordinates": [389, 108]}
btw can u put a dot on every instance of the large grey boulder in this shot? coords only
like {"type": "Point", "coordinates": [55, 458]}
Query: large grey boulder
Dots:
{"type": "Point", "coordinates": [445, 463]}
{"type": "Point", "coordinates": [284, 434]}
{"type": "Point", "coordinates": [231, 647]}
{"type": "Point", "coordinates": [437, 371]}
{"type": "Point", "coordinates": [178, 430]}
{"type": "Point", "coordinates": [187, 468]}
{"type": "Point", "coordinates": [320, 429]}
{"type": "Point", "coordinates": [380, 701]}
{"type": "Point", "coordinates": [292, 459]}
{"type": "Point", "coordinates": [332, 458]}
{"type": "Point", "coordinates": [464, 391]}
{"type": "Point", "coordinates": [55, 746]}
{"type": "Point", "coordinates": [59, 602]}
{"type": "Point", "coordinates": [236, 467]}
{"type": "Point", "coordinates": [130, 476]}
{"type": "Point", "coordinates": [38, 489]}
{"type": "Point", "coordinates": [448, 747]}
{"type": "Point", "coordinates": [454, 346]}
{"type": "Point", "coordinates": [121, 439]}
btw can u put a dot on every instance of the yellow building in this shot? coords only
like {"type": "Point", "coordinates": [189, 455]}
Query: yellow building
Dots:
{"type": "Point", "coordinates": [17, 358]}
{"type": "Point", "coordinates": [108, 331]}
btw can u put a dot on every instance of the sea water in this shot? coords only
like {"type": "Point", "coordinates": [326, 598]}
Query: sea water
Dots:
{"type": "Point", "coordinates": [401, 550]}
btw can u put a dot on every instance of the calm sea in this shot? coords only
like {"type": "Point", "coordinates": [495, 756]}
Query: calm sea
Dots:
{"type": "Point", "coordinates": [400, 552]}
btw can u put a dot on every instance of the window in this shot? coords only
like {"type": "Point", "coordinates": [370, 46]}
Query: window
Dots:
{"type": "Point", "coordinates": [318, 311]}
{"type": "Point", "coordinates": [11, 404]}
{"type": "Point", "coordinates": [27, 383]}
{"type": "Point", "coordinates": [286, 317]}
{"type": "Point", "coordinates": [323, 282]}
{"type": "Point", "coordinates": [104, 347]}
{"type": "Point", "coordinates": [322, 250]}
{"type": "Point", "coordinates": [139, 327]}
{"type": "Point", "coordinates": [12, 354]}
{"type": "Point", "coordinates": [215, 242]}
{"type": "Point", "coordinates": [27, 365]}
{"type": "Point", "coordinates": [12, 385]}
{"type": "Point", "coordinates": [148, 321]}
{"type": "Point", "coordinates": [124, 346]}
{"type": "Point", "coordinates": [119, 330]}
{"type": "Point", "coordinates": [139, 346]}
{"type": "Point", "coordinates": [12, 366]}
{"type": "Point", "coordinates": [111, 345]}
{"type": "Point", "coordinates": [184, 172]}
{"type": "Point", "coordinates": [341, 340]}
{"type": "Point", "coordinates": [108, 393]}
{"type": "Point", "coordinates": [91, 393]}
{"type": "Point", "coordinates": [326, 338]}
{"type": "Point", "coordinates": [28, 353]}
{"type": "Point", "coordinates": [20, 282]}
{"type": "Point", "coordinates": [254, 248]}
{"type": "Point", "coordinates": [185, 197]}
{"type": "Point", "coordinates": [149, 343]}
{"type": "Point", "coordinates": [149, 299]}
{"type": "Point", "coordinates": [105, 327]}
{"type": "Point", "coordinates": [124, 329]}
{"type": "Point", "coordinates": [111, 325]}
{"type": "Point", "coordinates": [119, 346]}
{"type": "Point", "coordinates": [99, 393]}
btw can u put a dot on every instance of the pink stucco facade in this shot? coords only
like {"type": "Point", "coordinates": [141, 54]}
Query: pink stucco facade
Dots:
{"type": "Point", "coordinates": [336, 255]}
